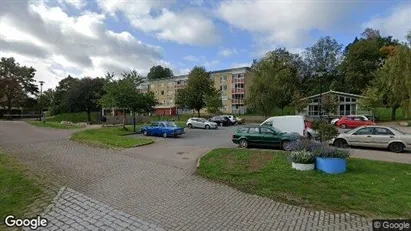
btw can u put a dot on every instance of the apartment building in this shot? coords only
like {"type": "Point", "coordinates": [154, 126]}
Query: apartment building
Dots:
{"type": "Point", "coordinates": [232, 83]}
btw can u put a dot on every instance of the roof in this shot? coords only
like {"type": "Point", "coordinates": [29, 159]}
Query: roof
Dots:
{"type": "Point", "coordinates": [334, 92]}
{"type": "Point", "coordinates": [211, 72]}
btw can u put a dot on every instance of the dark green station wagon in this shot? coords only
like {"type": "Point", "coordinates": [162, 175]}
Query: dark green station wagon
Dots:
{"type": "Point", "coordinates": [255, 135]}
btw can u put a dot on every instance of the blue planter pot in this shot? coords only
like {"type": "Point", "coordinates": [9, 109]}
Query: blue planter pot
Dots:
{"type": "Point", "coordinates": [331, 165]}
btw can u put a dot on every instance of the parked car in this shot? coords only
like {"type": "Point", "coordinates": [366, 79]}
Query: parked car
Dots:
{"type": "Point", "coordinates": [162, 128]}
{"type": "Point", "coordinates": [372, 118]}
{"type": "Point", "coordinates": [263, 136]}
{"type": "Point", "coordinates": [334, 121]}
{"type": "Point", "coordinates": [353, 121]}
{"type": "Point", "coordinates": [232, 118]}
{"type": "Point", "coordinates": [200, 123]}
{"type": "Point", "coordinates": [375, 137]}
{"type": "Point", "coordinates": [221, 120]}
{"type": "Point", "coordinates": [289, 124]}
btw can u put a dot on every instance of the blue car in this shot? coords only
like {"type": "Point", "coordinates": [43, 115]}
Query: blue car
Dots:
{"type": "Point", "coordinates": [162, 128]}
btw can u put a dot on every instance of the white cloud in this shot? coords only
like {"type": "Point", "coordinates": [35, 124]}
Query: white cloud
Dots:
{"type": "Point", "coordinates": [236, 65]}
{"type": "Point", "coordinates": [210, 64]}
{"type": "Point", "coordinates": [286, 23]}
{"type": "Point", "coordinates": [228, 52]}
{"type": "Point", "coordinates": [396, 23]}
{"type": "Point", "coordinates": [55, 43]}
{"type": "Point", "coordinates": [79, 4]}
{"type": "Point", "coordinates": [184, 27]}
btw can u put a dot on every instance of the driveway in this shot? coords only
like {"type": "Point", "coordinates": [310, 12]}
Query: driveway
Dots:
{"type": "Point", "coordinates": [184, 151]}
{"type": "Point", "coordinates": [107, 189]}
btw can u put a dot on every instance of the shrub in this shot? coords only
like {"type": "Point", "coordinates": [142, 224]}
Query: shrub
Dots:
{"type": "Point", "coordinates": [330, 152]}
{"type": "Point", "coordinates": [325, 130]}
{"type": "Point", "coordinates": [303, 145]}
{"type": "Point", "coordinates": [301, 157]}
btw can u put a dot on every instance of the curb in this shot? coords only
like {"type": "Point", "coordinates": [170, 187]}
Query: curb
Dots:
{"type": "Point", "coordinates": [198, 162]}
{"type": "Point", "coordinates": [53, 202]}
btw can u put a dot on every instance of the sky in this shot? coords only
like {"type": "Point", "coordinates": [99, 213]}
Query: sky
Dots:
{"type": "Point", "coordinates": [88, 38]}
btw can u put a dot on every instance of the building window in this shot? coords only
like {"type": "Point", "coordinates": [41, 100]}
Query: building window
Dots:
{"type": "Point", "coordinates": [353, 100]}
{"type": "Point", "coordinates": [342, 99]}
{"type": "Point", "coordinates": [224, 87]}
{"type": "Point", "coordinates": [162, 92]}
{"type": "Point", "coordinates": [241, 75]}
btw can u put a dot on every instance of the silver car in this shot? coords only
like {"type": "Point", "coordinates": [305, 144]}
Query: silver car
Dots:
{"type": "Point", "coordinates": [201, 123]}
{"type": "Point", "coordinates": [374, 137]}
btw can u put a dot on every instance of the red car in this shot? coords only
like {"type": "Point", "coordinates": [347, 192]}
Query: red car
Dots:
{"type": "Point", "coordinates": [353, 122]}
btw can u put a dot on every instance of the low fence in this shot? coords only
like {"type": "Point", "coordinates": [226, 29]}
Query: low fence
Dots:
{"type": "Point", "coordinates": [19, 116]}
{"type": "Point", "coordinates": [128, 119]}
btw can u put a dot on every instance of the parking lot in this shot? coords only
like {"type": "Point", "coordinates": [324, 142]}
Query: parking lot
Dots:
{"type": "Point", "coordinates": [184, 151]}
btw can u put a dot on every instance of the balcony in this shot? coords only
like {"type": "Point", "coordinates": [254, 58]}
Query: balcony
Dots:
{"type": "Point", "coordinates": [238, 80]}
{"type": "Point", "coordinates": [237, 91]}
{"type": "Point", "coordinates": [237, 101]}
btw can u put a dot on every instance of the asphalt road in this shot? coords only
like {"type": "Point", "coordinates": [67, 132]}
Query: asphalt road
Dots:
{"type": "Point", "coordinates": [184, 151]}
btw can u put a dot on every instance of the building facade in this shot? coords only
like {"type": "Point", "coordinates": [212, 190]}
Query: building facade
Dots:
{"type": "Point", "coordinates": [233, 84]}
{"type": "Point", "coordinates": [348, 104]}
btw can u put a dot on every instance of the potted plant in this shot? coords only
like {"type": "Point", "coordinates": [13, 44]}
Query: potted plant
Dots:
{"type": "Point", "coordinates": [331, 160]}
{"type": "Point", "coordinates": [302, 160]}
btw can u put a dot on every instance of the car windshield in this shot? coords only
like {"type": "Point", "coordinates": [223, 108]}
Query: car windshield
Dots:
{"type": "Point", "coordinates": [276, 130]}
{"type": "Point", "coordinates": [171, 124]}
{"type": "Point", "coordinates": [398, 130]}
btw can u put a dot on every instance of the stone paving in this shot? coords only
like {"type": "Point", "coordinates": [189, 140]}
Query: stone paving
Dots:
{"type": "Point", "coordinates": [166, 197]}
{"type": "Point", "coordinates": [72, 210]}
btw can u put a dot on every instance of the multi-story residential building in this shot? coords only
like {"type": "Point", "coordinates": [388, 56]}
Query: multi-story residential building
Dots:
{"type": "Point", "coordinates": [233, 84]}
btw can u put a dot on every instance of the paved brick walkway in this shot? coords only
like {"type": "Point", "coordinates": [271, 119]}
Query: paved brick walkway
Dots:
{"type": "Point", "coordinates": [167, 197]}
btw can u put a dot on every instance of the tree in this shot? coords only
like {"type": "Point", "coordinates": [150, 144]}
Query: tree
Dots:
{"type": "Point", "coordinates": [329, 104]}
{"type": "Point", "coordinates": [199, 87]}
{"type": "Point", "coordinates": [299, 102]}
{"type": "Point", "coordinates": [408, 37]}
{"type": "Point", "coordinates": [276, 80]}
{"type": "Point", "coordinates": [16, 82]}
{"type": "Point", "coordinates": [213, 101]}
{"type": "Point", "coordinates": [123, 93]}
{"type": "Point", "coordinates": [47, 98]}
{"type": "Point", "coordinates": [323, 60]}
{"type": "Point", "coordinates": [363, 60]}
{"type": "Point", "coordinates": [393, 81]}
{"type": "Point", "coordinates": [371, 99]}
{"type": "Point", "coordinates": [159, 72]}
{"type": "Point", "coordinates": [85, 94]}
{"type": "Point", "coordinates": [61, 102]}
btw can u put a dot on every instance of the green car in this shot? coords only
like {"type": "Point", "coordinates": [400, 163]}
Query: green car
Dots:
{"type": "Point", "coordinates": [255, 135]}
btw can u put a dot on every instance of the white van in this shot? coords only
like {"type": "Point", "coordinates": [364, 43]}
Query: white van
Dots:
{"type": "Point", "coordinates": [287, 124]}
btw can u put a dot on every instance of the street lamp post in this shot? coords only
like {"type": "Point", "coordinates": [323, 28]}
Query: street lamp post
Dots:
{"type": "Point", "coordinates": [41, 92]}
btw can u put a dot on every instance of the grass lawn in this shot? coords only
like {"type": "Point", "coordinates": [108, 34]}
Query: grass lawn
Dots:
{"type": "Point", "coordinates": [77, 117]}
{"type": "Point", "coordinates": [110, 137]}
{"type": "Point", "coordinates": [368, 188]}
{"type": "Point", "coordinates": [17, 190]}
{"type": "Point", "coordinates": [48, 124]}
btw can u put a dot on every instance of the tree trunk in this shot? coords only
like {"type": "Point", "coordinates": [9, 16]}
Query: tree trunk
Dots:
{"type": "Point", "coordinates": [134, 121]}
{"type": "Point", "coordinates": [393, 113]}
{"type": "Point", "coordinates": [198, 113]}
{"type": "Point", "coordinates": [89, 116]}
{"type": "Point", "coordinates": [124, 118]}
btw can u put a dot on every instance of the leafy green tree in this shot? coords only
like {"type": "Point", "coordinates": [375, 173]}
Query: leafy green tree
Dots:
{"type": "Point", "coordinates": [363, 60]}
{"type": "Point", "coordinates": [85, 94]}
{"type": "Point", "coordinates": [371, 99]}
{"type": "Point", "coordinates": [123, 94]}
{"type": "Point", "coordinates": [276, 79]}
{"type": "Point", "coordinates": [323, 60]}
{"type": "Point", "coordinates": [159, 72]}
{"type": "Point", "coordinates": [299, 102]}
{"type": "Point", "coordinates": [408, 37]}
{"type": "Point", "coordinates": [199, 87]}
{"type": "Point", "coordinates": [61, 103]}
{"type": "Point", "coordinates": [329, 104]}
{"type": "Point", "coordinates": [16, 83]}
{"type": "Point", "coordinates": [213, 101]}
{"type": "Point", "coordinates": [393, 80]}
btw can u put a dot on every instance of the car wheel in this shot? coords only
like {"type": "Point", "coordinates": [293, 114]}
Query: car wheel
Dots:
{"type": "Point", "coordinates": [396, 147]}
{"type": "Point", "coordinates": [340, 143]}
{"type": "Point", "coordinates": [145, 133]}
{"type": "Point", "coordinates": [190, 126]}
{"type": "Point", "coordinates": [343, 126]}
{"type": "Point", "coordinates": [243, 143]}
{"type": "Point", "coordinates": [285, 145]}
{"type": "Point", "coordinates": [165, 134]}
{"type": "Point", "coordinates": [207, 127]}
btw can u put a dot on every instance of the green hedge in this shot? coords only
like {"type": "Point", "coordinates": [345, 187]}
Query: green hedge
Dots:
{"type": "Point", "coordinates": [75, 117]}
{"type": "Point", "coordinates": [384, 114]}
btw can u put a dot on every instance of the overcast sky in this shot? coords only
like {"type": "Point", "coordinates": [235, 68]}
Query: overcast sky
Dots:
{"type": "Point", "coordinates": [89, 38]}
